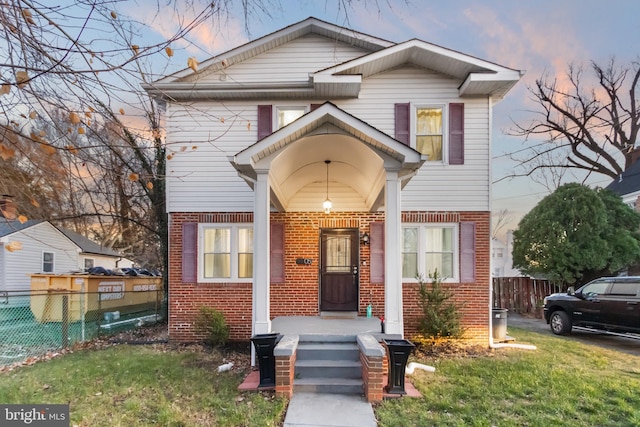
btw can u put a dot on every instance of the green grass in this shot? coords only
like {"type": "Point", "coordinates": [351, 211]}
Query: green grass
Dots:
{"type": "Point", "coordinates": [142, 386]}
{"type": "Point", "coordinates": [563, 383]}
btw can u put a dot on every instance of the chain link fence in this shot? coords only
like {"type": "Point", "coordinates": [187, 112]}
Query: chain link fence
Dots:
{"type": "Point", "coordinates": [36, 322]}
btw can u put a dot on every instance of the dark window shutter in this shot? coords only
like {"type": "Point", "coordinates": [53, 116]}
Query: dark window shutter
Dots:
{"type": "Point", "coordinates": [456, 134]}
{"type": "Point", "coordinates": [277, 253]}
{"type": "Point", "coordinates": [189, 252]}
{"type": "Point", "coordinates": [265, 122]}
{"type": "Point", "coordinates": [467, 251]}
{"type": "Point", "coordinates": [314, 106]}
{"type": "Point", "coordinates": [402, 123]}
{"type": "Point", "coordinates": [376, 251]}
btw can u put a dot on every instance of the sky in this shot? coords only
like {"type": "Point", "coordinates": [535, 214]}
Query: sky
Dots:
{"type": "Point", "coordinates": [538, 37]}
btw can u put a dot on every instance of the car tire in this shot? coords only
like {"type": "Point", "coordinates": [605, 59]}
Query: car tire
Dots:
{"type": "Point", "coordinates": [560, 323]}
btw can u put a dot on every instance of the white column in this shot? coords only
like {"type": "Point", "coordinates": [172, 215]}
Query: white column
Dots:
{"type": "Point", "coordinates": [393, 256]}
{"type": "Point", "coordinates": [261, 250]}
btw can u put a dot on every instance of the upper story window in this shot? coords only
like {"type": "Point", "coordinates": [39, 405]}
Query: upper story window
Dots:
{"type": "Point", "coordinates": [88, 263]}
{"type": "Point", "coordinates": [286, 115]}
{"type": "Point", "coordinates": [226, 252]}
{"type": "Point", "coordinates": [429, 132]}
{"type": "Point", "coordinates": [47, 262]}
{"type": "Point", "coordinates": [436, 131]}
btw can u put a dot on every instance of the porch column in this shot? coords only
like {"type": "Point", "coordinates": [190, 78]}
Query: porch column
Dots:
{"type": "Point", "coordinates": [261, 250]}
{"type": "Point", "coordinates": [393, 256]}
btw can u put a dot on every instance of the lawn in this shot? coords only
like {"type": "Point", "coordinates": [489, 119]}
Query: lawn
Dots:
{"type": "Point", "coordinates": [564, 382]}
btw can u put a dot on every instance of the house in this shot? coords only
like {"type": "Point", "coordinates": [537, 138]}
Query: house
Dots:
{"type": "Point", "coordinates": [93, 254]}
{"type": "Point", "coordinates": [317, 170]}
{"type": "Point", "coordinates": [37, 246]}
{"type": "Point", "coordinates": [627, 186]}
{"type": "Point", "coordinates": [502, 257]}
{"type": "Point", "coordinates": [34, 246]}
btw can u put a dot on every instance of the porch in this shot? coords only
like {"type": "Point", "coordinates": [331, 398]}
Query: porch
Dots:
{"type": "Point", "coordinates": [320, 354]}
{"type": "Point", "coordinates": [326, 325]}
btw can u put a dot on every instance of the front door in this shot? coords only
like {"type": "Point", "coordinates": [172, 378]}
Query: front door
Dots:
{"type": "Point", "coordinates": [339, 273]}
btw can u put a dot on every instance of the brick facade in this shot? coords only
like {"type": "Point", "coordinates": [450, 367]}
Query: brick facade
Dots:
{"type": "Point", "coordinates": [299, 295]}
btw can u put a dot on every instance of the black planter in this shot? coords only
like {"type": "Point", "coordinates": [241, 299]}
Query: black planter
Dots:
{"type": "Point", "coordinates": [264, 345]}
{"type": "Point", "coordinates": [399, 351]}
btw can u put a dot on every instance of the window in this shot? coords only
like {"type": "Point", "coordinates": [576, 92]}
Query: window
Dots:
{"type": "Point", "coordinates": [429, 134]}
{"type": "Point", "coordinates": [434, 130]}
{"type": "Point", "coordinates": [286, 115]}
{"type": "Point", "coordinates": [88, 263]}
{"type": "Point", "coordinates": [430, 247]}
{"type": "Point", "coordinates": [227, 252]}
{"type": "Point", "coordinates": [47, 262]}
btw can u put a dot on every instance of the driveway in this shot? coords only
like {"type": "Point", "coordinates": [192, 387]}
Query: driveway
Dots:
{"type": "Point", "coordinates": [612, 342]}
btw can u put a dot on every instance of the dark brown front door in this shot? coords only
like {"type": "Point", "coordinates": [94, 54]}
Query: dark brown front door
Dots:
{"type": "Point", "coordinates": [339, 269]}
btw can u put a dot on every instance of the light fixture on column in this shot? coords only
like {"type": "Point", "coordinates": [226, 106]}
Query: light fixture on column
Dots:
{"type": "Point", "coordinates": [327, 203]}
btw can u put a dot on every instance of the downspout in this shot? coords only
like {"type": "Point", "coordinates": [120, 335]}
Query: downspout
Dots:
{"type": "Point", "coordinates": [491, 343]}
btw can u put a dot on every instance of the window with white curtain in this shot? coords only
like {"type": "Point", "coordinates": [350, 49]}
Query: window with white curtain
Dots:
{"type": "Point", "coordinates": [429, 132]}
{"type": "Point", "coordinates": [427, 247]}
{"type": "Point", "coordinates": [226, 252]}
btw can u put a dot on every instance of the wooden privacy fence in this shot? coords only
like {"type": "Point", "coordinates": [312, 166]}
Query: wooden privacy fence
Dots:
{"type": "Point", "coordinates": [523, 295]}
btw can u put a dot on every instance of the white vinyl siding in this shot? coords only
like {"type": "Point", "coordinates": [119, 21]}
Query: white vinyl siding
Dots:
{"type": "Point", "coordinates": [202, 136]}
{"type": "Point", "coordinates": [36, 240]}
{"type": "Point", "coordinates": [291, 62]}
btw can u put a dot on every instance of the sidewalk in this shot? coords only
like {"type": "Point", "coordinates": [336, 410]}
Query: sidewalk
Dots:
{"type": "Point", "coordinates": [329, 410]}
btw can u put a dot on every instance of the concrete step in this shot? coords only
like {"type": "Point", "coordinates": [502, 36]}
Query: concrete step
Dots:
{"type": "Point", "coordinates": [328, 385]}
{"type": "Point", "coordinates": [328, 369]}
{"type": "Point", "coordinates": [328, 351]}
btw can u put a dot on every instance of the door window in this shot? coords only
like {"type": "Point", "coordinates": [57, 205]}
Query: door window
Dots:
{"type": "Point", "coordinates": [338, 254]}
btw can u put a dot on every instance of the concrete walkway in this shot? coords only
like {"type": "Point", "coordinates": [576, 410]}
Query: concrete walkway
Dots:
{"type": "Point", "coordinates": [329, 410]}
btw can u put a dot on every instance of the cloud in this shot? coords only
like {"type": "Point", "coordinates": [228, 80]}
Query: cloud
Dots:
{"type": "Point", "coordinates": [221, 33]}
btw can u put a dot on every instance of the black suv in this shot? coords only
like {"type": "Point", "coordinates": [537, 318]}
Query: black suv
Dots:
{"type": "Point", "coordinates": [609, 303]}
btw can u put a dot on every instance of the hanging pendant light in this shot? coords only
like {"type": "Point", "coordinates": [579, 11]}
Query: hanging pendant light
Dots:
{"type": "Point", "coordinates": [327, 203]}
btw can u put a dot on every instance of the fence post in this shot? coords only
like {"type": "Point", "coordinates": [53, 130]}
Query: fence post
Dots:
{"type": "Point", "coordinates": [65, 320]}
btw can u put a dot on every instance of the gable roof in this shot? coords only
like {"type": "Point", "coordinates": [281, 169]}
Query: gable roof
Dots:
{"type": "Point", "coordinates": [88, 246]}
{"type": "Point", "coordinates": [8, 227]}
{"type": "Point", "coordinates": [478, 77]}
{"type": "Point", "coordinates": [304, 162]}
{"type": "Point", "coordinates": [280, 37]}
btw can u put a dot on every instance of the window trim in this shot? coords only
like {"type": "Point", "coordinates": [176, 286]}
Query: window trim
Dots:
{"type": "Point", "coordinates": [53, 261]}
{"type": "Point", "coordinates": [422, 249]}
{"type": "Point", "coordinates": [277, 108]}
{"type": "Point", "coordinates": [413, 123]}
{"type": "Point", "coordinates": [84, 263]}
{"type": "Point", "coordinates": [234, 252]}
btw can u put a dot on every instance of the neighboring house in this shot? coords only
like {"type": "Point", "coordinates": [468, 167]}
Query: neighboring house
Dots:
{"type": "Point", "coordinates": [37, 246]}
{"type": "Point", "coordinates": [33, 247]}
{"type": "Point", "coordinates": [627, 185]}
{"type": "Point", "coordinates": [94, 255]}
{"type": "Point", "coordinates": [392, 138]}
{"type": "Point", "coordinates": [502, 257]}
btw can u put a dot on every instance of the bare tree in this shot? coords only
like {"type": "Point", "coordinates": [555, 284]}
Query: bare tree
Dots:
{"type": "Point", "coordinates": [502, 219]}
{"type": "Point", "coordinates": [589, 128]}
{"type": "Point", "coordinates": [81, 141]}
